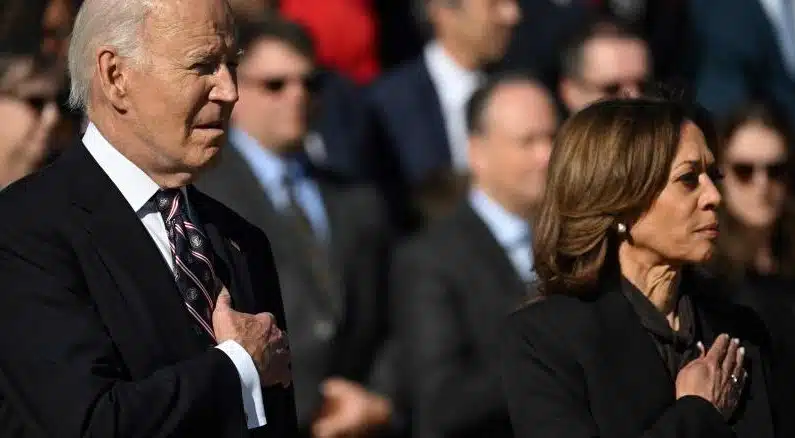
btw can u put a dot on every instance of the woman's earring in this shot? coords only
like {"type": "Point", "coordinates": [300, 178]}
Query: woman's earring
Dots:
{"type": "Point", "coordinates": [621, 228]}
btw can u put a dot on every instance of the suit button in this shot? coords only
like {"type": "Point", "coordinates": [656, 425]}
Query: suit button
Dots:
{"type": "Point", "coordinates": [191, 294]}
{"type": "Point", "coordinates": [324, 329]}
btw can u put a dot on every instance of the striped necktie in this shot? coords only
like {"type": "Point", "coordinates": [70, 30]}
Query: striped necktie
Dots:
{"type": "Point", "coordinates": [193, 265]}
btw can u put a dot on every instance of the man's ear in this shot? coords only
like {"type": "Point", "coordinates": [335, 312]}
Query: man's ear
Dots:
{"type": "Point", "coordinates": [113, 72]}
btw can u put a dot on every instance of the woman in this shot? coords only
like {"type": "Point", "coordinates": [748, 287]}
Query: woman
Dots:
{"type": "Point", "coordinates": [627, 338]}
{"type": "Point", "coordinates": [759, 212]}
{"type": "Point", "coordinates": [756, 251]}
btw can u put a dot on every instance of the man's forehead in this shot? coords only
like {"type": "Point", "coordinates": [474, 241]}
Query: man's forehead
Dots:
{"type": "Point", "coordinates": [170, 19]}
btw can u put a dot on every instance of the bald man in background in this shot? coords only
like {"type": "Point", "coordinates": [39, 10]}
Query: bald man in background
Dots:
{"type": "Point", "coordinates": [456, 281]}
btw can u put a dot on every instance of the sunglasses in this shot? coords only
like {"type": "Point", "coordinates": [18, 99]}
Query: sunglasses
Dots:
{"type": "Point", "coordinates": [276, 84]}
{"type": "Point", "coordinates": [35, 103]}
{"type": "Point", "coordinates": [744, 172]}
{"type": "Point", "coordinates": [614, 88]}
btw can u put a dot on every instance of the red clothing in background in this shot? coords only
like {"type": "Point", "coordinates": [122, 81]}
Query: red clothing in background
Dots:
{"type": "Point", "coordinates": [344, 32]}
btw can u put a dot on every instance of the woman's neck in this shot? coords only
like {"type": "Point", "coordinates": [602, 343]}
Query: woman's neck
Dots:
{"type": "Point", "coordinates": [762, 252]}
{"type": "Point", "coordinates": [655, 278]}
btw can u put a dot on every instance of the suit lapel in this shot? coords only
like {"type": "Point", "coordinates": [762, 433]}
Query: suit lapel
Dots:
{"type": "Point", "coordinates": [136, 266]}
{"type": "Point", "coordinates": [716, 315]}
{"type": "Point", "coordinates": [228, 259]}
{"type": "Point", "coordinates": [338, 243]}
{"type": "Point", "coordinates": [485, 246]}
{"type": "Point", "coordinates": [628, 360]}
{"type": "Point", "coordinates": [430, 146]}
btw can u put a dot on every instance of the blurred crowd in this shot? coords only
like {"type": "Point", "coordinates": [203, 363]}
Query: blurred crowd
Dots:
{"type": "Point", "coordinates": [395, 153]}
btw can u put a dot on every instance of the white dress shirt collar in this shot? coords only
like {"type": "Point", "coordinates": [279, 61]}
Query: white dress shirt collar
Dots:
{"type": "Point", "coordinates": [133, 183]}
{"type": "Point", "coordinates": [454, 84]}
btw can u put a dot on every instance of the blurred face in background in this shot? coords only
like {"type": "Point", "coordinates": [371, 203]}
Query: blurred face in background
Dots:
{"type": "Point", "coordinates": [509, 157]}
{"type": "Point", "coordinates": [29, 114]}
{"type": "Point", "coordinates": [477, 30]}
{"type": "Point", "coordinates": [611, 67]}
{"type": "Point", "coordinates": [275, 86]}
{"type": "Point", "coordinates": [756, 172]}
{"type": "Point", "coordinates": [56, 25]}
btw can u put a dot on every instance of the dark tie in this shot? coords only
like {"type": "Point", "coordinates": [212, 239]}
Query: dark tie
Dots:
{"type": "Point", "coordinates": [313, 247]}
{"type": "Point", "coordinates": [193, 263]}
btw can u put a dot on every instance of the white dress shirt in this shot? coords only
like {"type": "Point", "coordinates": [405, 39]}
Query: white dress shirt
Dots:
{"type": "Point", "coordinates": [137, 188]}
{"type": "Point", "coordinates": [510, 231]}
{"type": "Point", "coordinates": [782, 16]}
{"type": "Point", "coordinates": [454, 85]}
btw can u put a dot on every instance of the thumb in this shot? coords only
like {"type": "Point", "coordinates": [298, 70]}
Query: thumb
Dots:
{"type": "Point", "coordinates": [224, 300]}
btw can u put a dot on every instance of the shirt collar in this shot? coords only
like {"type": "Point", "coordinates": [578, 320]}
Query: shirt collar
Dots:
{"type": "Point", "coordinates": [453, 82]}
{"type": "Point", "coordinates": [269, 167]}
{"type": "Point", "coordinates": [509, 229]}
{"type": "Point", "coordinates": [133, 183]}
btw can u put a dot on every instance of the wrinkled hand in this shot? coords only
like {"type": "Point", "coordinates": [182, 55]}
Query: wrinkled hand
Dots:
{"type": "Point", "coordinates": [259, 336]}
{"type": "Point", "coordinates": [717, 375]}
{"type": "Point", "coordinates": [350, 410]}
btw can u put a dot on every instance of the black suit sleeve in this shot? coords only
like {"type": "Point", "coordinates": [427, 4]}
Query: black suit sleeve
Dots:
{"type": "Point", "coordinates": [60, 371]}
{"type": "Point", "coordinates": [546, 394]}
{"type": "Point", "coordinates": [451, 392]}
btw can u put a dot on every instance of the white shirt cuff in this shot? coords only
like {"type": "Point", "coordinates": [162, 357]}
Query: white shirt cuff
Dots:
{"type": "Point", "coordinates": [253, 405]}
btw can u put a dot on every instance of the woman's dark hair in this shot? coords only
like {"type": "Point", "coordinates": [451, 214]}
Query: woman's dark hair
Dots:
{"type": "Point", "coordinates": [733, 258]}
{"type": "Point", "coordinates": [610, 161]}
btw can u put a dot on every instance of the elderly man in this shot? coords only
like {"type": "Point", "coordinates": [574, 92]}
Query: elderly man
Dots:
{"type": "Point", "coordinates": [133, 305]}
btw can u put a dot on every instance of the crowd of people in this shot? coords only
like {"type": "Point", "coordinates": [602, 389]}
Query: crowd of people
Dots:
{"type": "Point", "coordinates": [404, 162]}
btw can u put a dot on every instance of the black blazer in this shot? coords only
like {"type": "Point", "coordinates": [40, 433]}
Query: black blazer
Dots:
{"type": "Point", "coordinates": [324, 342]}
{"type": "Point", "coordinates": [409, 152]}
{"type": "Point", "coordinates": [452, 287]}
{"type": "Point", "coordinates": [586, 367]}
{"type": "Point", "coordinates": [95, 337]}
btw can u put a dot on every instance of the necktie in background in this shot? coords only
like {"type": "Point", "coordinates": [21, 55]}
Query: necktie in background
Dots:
{"type": "Point", "coordinates": [314, 248]}
{"type": "Point", "coordinates": [193, 263]}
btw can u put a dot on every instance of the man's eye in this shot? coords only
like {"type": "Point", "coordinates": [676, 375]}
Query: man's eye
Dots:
{"type": "Point", "coordinates": [205, 68]}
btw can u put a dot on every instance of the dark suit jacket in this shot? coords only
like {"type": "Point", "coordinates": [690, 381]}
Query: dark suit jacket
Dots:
{"type": "Point", "coordinates": [453, 286]}
{"type": "Point", "coordinates": [771, 296]}
{"type": "Point", "coordinates": [341, 119]}
{"type": "Point", "coordinates": [739, 56]}
{"type": "Point", "coordinates": [95, 336]}
{"type": "Point", "coordinates": [359, 247]}
{"type": "Point", "coordinates": [586, 367]}
{"type": "Point", "coordinates": [409, 158]}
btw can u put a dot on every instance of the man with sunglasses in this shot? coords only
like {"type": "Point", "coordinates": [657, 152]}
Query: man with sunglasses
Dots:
{"type": "Point", "coordinates": [330, 242]}
{"type": "Point", "coordinates": [602, 59]}
{"type": "Point", "coordinates": [29, 113]}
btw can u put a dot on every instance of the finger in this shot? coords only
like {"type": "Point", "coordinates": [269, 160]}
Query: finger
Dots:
{"type": "Point", "coordinates": [730, 360]}
{"type": "Point", "coordinates": [328, 426]}
{"type": "Point", "coordinates": [738, 371]}
{"type": "Point", "coordinates": [717, 352]}
{"type": "Point", "coordinates": [267, 318]}
{"type": "Point", "coordinates": [224, 300]}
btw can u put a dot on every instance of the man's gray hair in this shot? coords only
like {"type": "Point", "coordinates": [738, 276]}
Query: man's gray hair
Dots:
{"type": "Point", "coordinates": [116, 23]}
